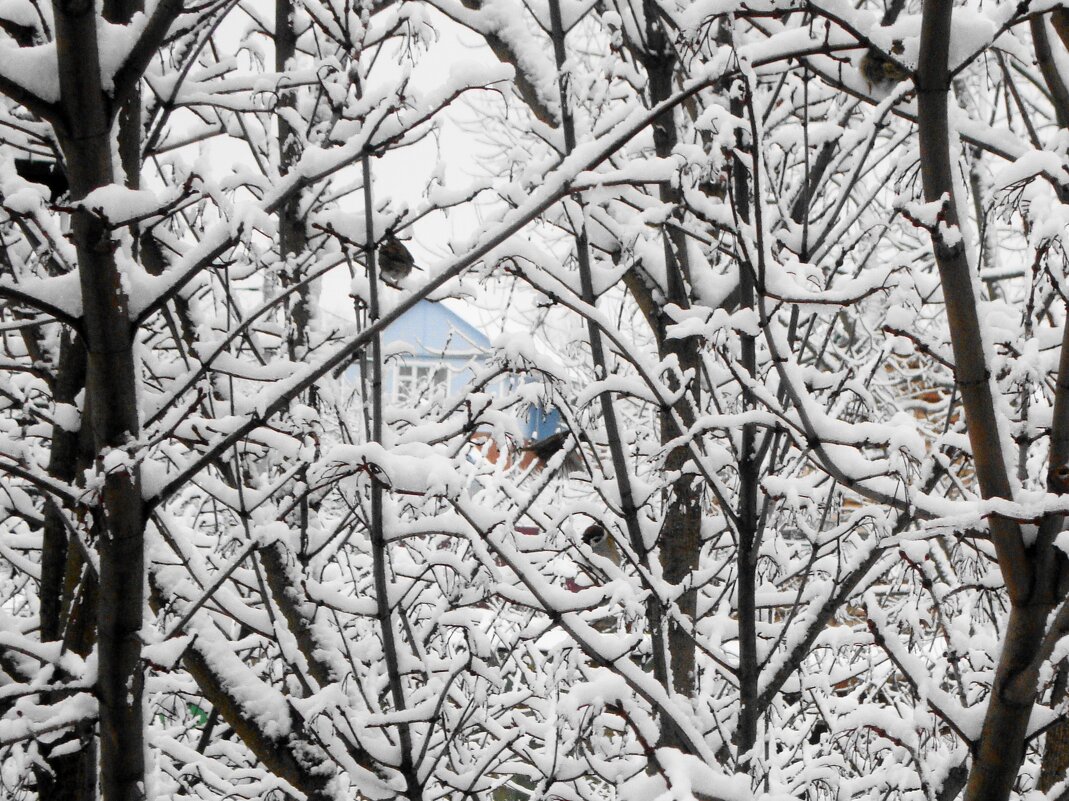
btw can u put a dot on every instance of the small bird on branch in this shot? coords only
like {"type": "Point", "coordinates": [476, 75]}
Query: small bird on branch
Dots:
{"type": "Point", "coordinates": [546, 448]}
{"type": "Point", "coordinates": [601, 543]}
{"type": "Point", "coordinates": [395, 261]}
{"type": "Point", "coordinates": [881, 70]}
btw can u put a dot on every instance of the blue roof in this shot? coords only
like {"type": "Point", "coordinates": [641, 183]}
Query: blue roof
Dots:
{"type": "Point", "coordinates": [430, 329]}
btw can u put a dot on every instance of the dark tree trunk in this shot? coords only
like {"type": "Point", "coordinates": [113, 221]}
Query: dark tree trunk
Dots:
{"type": "Point", "coordinates": [680, 540]}
{"type": "Point", "coordinates": [85, 137]}
{"type": "Point", "coordinates": [68, 598]}
{"type": "Point", "coordinates": [749, 468]}
{"type": "Point", "coordinates": [292, 236]}
{"type": "Point", "coordinates": [1031, 574]}
{"type": "Point", "coordinates": [1056, 748]}
{"type": "Point", "coordinates": [62, 465]}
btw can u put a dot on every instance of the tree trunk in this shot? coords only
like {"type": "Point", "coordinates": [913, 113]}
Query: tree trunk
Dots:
{"type": "Point", "coordinates": [1000, 752]}
{"type": "Point", "coordinates": [111, 400]}
{"type": "Point", "coordinates": [680, 539]}
{"type": "Point", "coordinates": [749, 476]}
{"type": "Point", "coordinates": [70, 776]}
{"type": "Point", "coordinates": [1056, 749]}
{"type": "Point", "coordinates": [380, 555]}
{"type": "Point", "coordinates": [292, 236]}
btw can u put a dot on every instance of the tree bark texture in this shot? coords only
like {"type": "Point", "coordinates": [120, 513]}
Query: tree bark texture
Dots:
{"type": "Point", "coordinates": [1052, 769]}
{"type": "Point", "coordinates": [998, 755]}
{"type": "Point", "coordinates": [680, 540]}
{"type": "Point", "coordinates": [85, 136]}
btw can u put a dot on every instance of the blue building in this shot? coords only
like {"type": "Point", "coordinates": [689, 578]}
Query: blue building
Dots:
{"type": "Point", "coordinates": [431, 349]}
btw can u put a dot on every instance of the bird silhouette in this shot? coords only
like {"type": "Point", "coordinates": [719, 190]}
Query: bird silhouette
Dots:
{"type": "Point", "coordinates": [546, 448]}
{"type": "Point", "coordinates": [395, 262]}
{"type": "Point", "coordinates": [47, 173]}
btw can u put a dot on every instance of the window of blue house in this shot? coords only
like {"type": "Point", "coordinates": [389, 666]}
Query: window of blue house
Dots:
{"type": "Point", "coordinates": [416, 382]}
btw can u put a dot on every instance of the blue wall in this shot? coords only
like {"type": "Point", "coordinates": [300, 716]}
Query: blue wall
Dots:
{"type": "Point", "coordinates": [432, 336]}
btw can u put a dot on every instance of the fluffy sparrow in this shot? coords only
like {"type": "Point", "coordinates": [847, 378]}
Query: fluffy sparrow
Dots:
{"type": "Point", "coordinates": [601, 543]}
{"type": "Point", "coordinates": [395, 262]}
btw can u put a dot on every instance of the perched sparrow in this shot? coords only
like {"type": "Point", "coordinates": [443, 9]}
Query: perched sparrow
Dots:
{"type": "Point", "coordinates": [881, 71]}
{"type": "Point", "coordinates": [715, 186]}
{"type": "Point", "coordinates": [395, 262]}
{"type": "Point", "coordinates": [601, 543]}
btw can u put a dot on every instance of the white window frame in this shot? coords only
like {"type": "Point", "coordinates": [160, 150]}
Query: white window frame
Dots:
{"type": "Point", "coordinates": [414, 381]}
